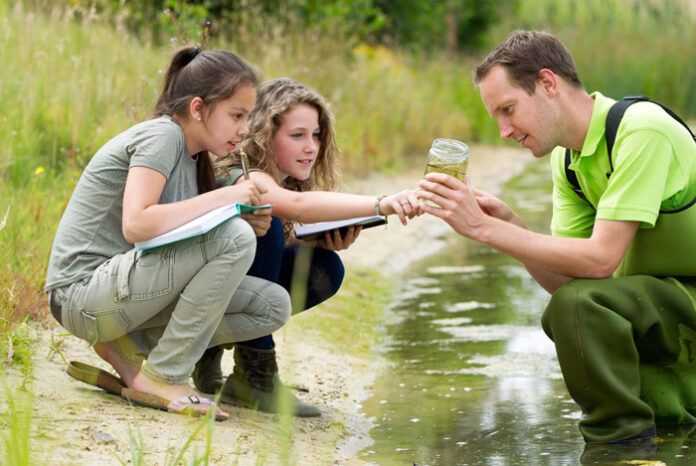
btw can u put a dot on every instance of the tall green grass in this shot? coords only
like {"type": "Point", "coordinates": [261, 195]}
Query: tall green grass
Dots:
{"type": "Point", "coordinates": [622, 47]}
{"type": "Point", "coordinates": [68, 85]}
{"type": "Point", "coordinates": [16, 423]}
{"type": "Point", "coordinates": [16, 408]}
{"type": "Point", "coordinates": [32, 218]}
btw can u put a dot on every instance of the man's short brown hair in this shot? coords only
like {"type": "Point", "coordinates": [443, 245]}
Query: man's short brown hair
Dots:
{"type": "Point", "coordinates": [524, 54]}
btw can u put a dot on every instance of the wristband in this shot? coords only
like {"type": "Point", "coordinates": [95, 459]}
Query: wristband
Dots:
{"type": "Point", "coordinates": [377, 201]}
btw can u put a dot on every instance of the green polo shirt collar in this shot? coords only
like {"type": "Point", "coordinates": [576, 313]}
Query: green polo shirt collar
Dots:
{"type": "Point", "coordinates": [595, 132]}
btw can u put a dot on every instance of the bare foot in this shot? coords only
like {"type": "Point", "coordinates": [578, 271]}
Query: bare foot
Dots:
{"type": "Point", "coordinates": [108, 353]}
{"type": "Point", "coordinates": [171, 392]}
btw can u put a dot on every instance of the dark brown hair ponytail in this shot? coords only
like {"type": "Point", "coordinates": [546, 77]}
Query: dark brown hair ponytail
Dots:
{"type": "Point", "coordinates": [212, 75]}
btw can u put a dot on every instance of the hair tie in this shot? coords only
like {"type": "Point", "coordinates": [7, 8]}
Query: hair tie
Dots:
{"type": "Point", "coordinates": [193, 53]}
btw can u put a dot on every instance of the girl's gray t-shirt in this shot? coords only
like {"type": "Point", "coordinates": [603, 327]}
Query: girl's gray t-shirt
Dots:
{"type": "Point", "coordinates": [90, 231]}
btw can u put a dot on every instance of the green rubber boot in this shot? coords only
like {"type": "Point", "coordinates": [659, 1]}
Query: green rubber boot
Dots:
{"type": "Point", "coordinates": [625, 349]}
{"type": "Point", "coordinates": [207, 375]}
{"type": "Point", "coordinates": [255, 383]}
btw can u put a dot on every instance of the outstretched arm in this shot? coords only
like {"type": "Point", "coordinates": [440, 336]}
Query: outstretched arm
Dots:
{"type": "Point", "coordinates": [322, 206]}
{"type": "Point", "coordinates": [551, 260]}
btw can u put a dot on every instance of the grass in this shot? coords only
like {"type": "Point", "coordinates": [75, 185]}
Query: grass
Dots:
{"type": "Point", "coordinates": [66, 89]}
{"type": "Point", "coordinates": [18, 400]}
{"type": "Point", "coordinates": [33, 212]}
{"type": "Point", "coordinates": [16, 423]}
{"type": "Point", "coordinates": [622, 47]}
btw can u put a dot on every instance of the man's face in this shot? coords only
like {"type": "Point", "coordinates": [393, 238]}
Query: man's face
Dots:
{"type": "Point", "coordinates": [528, 119]}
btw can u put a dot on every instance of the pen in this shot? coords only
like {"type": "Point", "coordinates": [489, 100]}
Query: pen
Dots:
{"type": "Point", "coordinates": [245, 164]}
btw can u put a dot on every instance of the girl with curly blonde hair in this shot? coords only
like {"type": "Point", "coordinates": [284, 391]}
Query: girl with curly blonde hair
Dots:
{"type": "Point", "coordinates": [293, 153]}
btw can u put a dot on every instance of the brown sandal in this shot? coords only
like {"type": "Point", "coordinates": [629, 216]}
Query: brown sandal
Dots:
{"type": "Point", "coordinates": [183, 405]}
{"type": "Point", "coordinates": [95, 376]}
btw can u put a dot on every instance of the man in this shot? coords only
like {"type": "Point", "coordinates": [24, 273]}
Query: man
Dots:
{"type": "Point", "coordinates": [625, 334]}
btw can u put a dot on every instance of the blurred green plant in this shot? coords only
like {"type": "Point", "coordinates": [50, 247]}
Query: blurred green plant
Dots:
{"type": "Point", "coordinates": [16, 422]}
{"type": "Point", "coordinates": [621, 47]}
{"type": "Point", "coordinates": [432, 25]}
{"type": "Point", "coordinates": [179, 456]}
{"type": "Point", "coordinates": [16, 349]}
{"type": "Point", "coordinates": [429, 24]}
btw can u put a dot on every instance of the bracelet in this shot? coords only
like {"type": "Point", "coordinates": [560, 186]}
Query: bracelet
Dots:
{"type": "Point", "coordinates": [378, 199]}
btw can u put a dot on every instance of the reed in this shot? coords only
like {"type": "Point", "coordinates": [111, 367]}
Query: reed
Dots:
{"type": "Point", "coordinates": [16, 419]}
{"type": "Point", "coordinates": [621, 47]}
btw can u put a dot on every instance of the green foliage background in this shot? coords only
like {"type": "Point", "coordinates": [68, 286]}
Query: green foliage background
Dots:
{"type": "Point", "coordinates": [77, 72]}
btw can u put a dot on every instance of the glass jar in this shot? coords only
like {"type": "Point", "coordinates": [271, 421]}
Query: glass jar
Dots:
{"type": "Point", "coordinates": [448, 156]}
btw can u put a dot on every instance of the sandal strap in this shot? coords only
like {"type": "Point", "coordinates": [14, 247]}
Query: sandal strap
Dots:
{"type": "Point", "coordinates": [187, 401]}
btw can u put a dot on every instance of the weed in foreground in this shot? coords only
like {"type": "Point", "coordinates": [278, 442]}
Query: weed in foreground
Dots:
{"type": "Point", "coordinates": [16, 427]}
{"type": "Point", "coordinates": [137, 445]}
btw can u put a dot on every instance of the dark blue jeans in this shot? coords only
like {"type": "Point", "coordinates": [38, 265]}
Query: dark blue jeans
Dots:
{"type": "Point", "coordinates": [276, 263]}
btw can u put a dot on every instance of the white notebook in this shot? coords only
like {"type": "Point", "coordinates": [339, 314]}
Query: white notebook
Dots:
{"type": "Point", "coordinates": [199, 225]}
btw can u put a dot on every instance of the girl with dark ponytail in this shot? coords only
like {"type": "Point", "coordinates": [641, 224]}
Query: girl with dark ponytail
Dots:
{"type": "Point", "coordinates": [150, 179]}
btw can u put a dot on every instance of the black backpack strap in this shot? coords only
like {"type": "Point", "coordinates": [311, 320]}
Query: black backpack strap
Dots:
{"type": "Point", "coordinates": [611, 126]}
{"type": "Point", "coordinates": [615, 114]}
{"type": "Point", "coordinates": [572, 177]}
{"type": "Point", "coordinates": [614, 117]}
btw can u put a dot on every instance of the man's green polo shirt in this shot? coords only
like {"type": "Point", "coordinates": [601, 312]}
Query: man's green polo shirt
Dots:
{"type": "Point", "coordinates": [654, 159]}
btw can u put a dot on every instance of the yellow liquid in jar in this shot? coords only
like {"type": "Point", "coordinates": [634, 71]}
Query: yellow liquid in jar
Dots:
{"type": "Point", "coordinates": [457, 170]}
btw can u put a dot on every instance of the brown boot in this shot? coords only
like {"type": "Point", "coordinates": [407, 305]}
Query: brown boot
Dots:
{"type": "Point", "coordinates": [255, 383]}
{"type": "Point", "coordinates": [207, 375]}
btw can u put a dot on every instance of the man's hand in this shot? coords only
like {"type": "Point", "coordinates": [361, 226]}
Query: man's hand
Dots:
{"type": "Point", "coordinates": [458, 204]}
{"type": "Point", "coordinates": [495, 207]}
{"type": "Point", "coordinates": [260, 220]}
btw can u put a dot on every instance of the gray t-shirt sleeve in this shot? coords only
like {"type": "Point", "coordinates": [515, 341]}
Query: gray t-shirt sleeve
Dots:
{"type": "Point", "coordinates": [90, 232]}
{"type": "Point", "coordinates": [158, 146]}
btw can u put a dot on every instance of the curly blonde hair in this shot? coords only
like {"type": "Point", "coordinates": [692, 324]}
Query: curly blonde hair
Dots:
{"type": "Point", "coordinates": [274, 99]}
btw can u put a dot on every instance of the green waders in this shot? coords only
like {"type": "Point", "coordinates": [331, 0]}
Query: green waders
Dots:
{"type": "Point", "coordinates": [627, 350]}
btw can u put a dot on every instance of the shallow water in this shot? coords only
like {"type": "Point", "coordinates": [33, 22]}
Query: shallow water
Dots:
{"type": "Point", "coordinates": [470, 377]}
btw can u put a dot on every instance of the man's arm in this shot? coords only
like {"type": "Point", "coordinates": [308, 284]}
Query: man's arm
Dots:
{"type": "Point", "coordinates": [604, 249]}
{"type": "Point", "coordinates": [550, 260]}
{"type": "Point", "coordinates": [493, 206]}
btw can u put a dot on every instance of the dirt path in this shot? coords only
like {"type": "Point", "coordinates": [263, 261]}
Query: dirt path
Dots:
{"type": "Point", "coordinates": [77, 424]}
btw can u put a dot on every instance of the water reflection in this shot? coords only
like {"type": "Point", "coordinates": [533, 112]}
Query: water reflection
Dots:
{"type": "Point", "coordinates": [471, 378]}
{"type": "Point", "coordinates": [673, 446]}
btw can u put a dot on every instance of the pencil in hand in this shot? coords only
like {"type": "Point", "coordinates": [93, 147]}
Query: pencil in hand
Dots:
{"type": "Point", "coordinates": [245, 164]}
